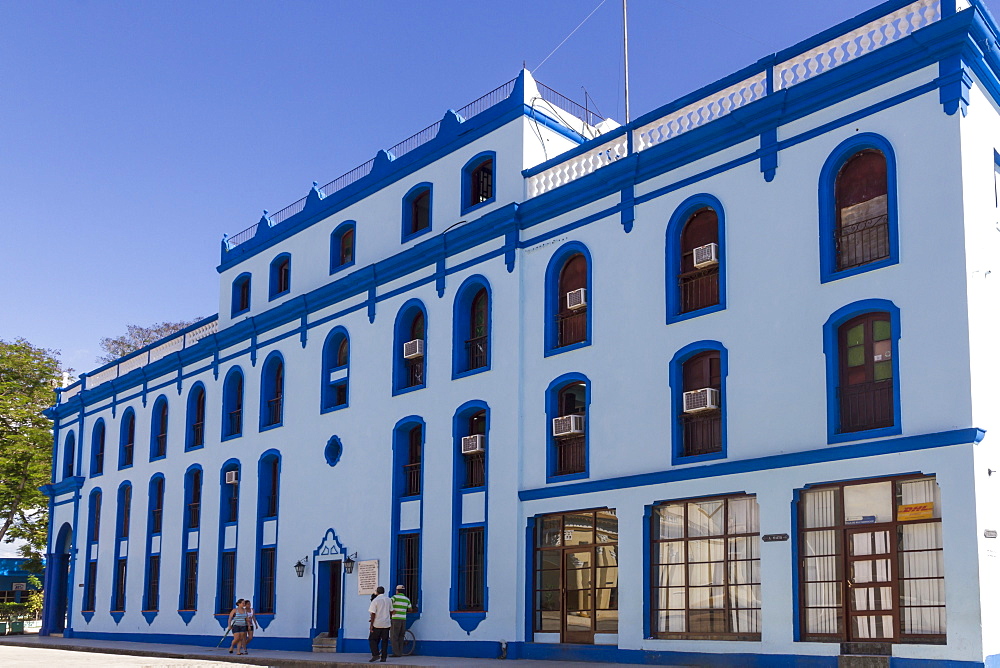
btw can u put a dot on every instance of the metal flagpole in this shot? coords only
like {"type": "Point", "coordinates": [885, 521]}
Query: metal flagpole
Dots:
{"type": "Point", "coordinates": [625, 33]}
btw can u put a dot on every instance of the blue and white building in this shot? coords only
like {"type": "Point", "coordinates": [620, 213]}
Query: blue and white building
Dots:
{"type": "Point", "coordinates": [716, 387]}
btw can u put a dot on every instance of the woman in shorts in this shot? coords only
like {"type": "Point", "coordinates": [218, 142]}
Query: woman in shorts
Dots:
{"type": "Point", "coordinates": [238, 625]}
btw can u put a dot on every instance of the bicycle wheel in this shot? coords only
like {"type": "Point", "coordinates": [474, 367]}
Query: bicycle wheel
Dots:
{"type": "Point", "coordinates": [409, 643]}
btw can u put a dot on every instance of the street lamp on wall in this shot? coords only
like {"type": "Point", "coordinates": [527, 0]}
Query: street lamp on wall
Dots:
{"type": "Point", "coordinates": [300, 566]}
{"type": "Point", "coordinates": [349, 563]}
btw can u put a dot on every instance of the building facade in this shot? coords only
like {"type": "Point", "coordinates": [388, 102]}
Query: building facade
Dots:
{"type": "Point", "coordinates": [710, 388]}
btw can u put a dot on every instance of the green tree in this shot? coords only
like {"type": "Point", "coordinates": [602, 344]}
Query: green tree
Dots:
{"type": "Point", "coordinates": [27, 378]}
{"type": "Point", "coordinates": [137, 336]}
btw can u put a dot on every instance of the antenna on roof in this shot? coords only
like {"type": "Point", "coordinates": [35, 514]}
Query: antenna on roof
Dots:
{"type": "Point", "coordinates": [625, 39]}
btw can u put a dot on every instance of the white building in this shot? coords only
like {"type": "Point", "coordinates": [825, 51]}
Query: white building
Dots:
{"type": "Point", "coordinates": [710, 388]}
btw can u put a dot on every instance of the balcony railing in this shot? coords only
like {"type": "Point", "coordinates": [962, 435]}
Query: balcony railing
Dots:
{"type": "Point", "coordinates": [414, 372]}
{"type": "Point", "coordinates": [233, 509]}
{"type": "Point", "coordinates": [702, 433]}
{"type": "Point", "coordinates": [863, 242]}
{"type": "Point", "coordinates": [194, 515]}
{"type": "Point", "coordinates": [571, 455]}
{"type": "Point", "coordinates": [475, 470]}
{"type": "Point", "coordinates": [866, 406]}
{"type": "Point", "coordinates": [571, 327]}
{"type": "Point", "coordinates": [476, 352]}
{"type": "Point", "coordinates": [128, 453]}
{"type": "Point", "coordinates": [271, 505]}
{"type": "Point", "coordinates": [198, 434]}
{"type": "Point", "coordinates": [235, 422]}
{"type": "Point", "coordinates": [156, 520]}
{"type": "Point", "coordinates": [411, 477]}
{"type": "Point", "coordinates": [161, 445]}
{"type": "Point", "coordinates": [274, 410]}
{"type": "Point", "coordinates": [699, 288]}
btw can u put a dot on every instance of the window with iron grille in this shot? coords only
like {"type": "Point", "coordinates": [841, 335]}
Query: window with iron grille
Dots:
{"type": "Point", "coordinates": [118, 604]}
{"type": "Point", "coordinates": [475, 463]}
{"type": "Point", "coordinates": [126, 510]}
{"type": "Point", "coordinates": [190, 582]}
{"type": "Point", "coordinates": [227, 582]}
{"type": "Point", "coordinates": [90, 586]}
{"type": "Point", "coordinates": [97, 448]}
{"type": "Point", "coordinates": [413, 460]}
{"type": "Point", "coordinates": [194, 499]}
{"type": "Point", "coordinates": [156, 505]}
{"type": "Point", "coordinates": [336, 357]}
{"type": "Point", "coordinates": [477, 346]}
{"type": "Point", "coordinates": [128, 440]}
{"type": "Point", "coordinates": [408, 564]}
{"type": "Point", "coordinates": [471, 568]}
{"type": "Point", "coordinates": [699, 285]}
{"type": "Point", "coordinates": [274, 389]}
{"type": "Point", "coordinates": [241, 295]}
{"type": "Point", "coordinates": [862, 213]}
{"type": "Point", "coordinates": [269, 470]}
{"type": "Point", "coordinates": [232, 404]}
{"type": "Point", "coordinates": [231, 502]}
{"type": "Point", "coordinates": [706, 569]}
{"type": "Point", "coordinates": [153, 583]}
{"type": "Point", "coordinates": [196, 418]}
{"type": "Point", "coordinates": [570, 448]}
{"type": "Point", "coordinates": [571, 322]}
{"type": "Point", "coordinates": [865, 391]}
{"type": "Point", "coordinates": [95, 517]}
{"type": "Point", "coordinates": [265, 589]}
{"type": "Point", "coordinates": [159, 430]}
{"type": "Point", "coordinates": [702, 430]}
{"type": "Point", "coordinates": [481, 183]}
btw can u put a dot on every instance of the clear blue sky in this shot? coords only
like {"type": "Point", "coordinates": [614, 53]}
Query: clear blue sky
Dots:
{"type": "Point", "coordinates": [134, 134]}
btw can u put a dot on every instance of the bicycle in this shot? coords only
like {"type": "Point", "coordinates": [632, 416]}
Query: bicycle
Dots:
{"type": "Point", "coordinates": [409, 643]}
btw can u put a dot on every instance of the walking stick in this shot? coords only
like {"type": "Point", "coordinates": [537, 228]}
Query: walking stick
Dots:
{"type": "Point", "coordinates": [223, 637]}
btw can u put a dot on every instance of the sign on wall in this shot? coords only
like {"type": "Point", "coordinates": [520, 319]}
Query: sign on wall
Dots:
{"type": "Point", "coordinates": [367, 577]}
{"type": "Point", "coordinates": [915, 511]}
{"type": "Point", "coordinates": [20, 586]}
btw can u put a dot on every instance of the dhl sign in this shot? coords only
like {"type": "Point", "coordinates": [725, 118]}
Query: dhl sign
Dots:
{"type": "Point", "coordinates": [915, 511]}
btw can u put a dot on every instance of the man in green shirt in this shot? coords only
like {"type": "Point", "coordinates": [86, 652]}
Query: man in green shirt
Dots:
{"type": "Point", "coordinates": [400, 606]}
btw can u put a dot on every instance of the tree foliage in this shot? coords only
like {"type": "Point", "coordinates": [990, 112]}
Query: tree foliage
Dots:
{"type": "Point", "coordinates": [137, 336]}
{"type": "Point", "coordinates": [27, 378]}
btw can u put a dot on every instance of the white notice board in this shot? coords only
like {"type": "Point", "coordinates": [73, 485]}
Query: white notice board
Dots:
{"type": "Point", "coordinates": [367, 577]}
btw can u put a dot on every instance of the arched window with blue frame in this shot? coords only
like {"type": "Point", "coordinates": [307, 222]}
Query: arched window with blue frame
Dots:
{"type": "Point", "coordinates": [417, 211]}
{"type": "Point", "coordinates": [567, 404]}
{"type": "Point", "coordinates": [568, 299]}
{"type": "Point", "coordinates": [97, 448]}
{"type": "Point", "coordinates": [695, 258]}
{"type": "Point", "coordinates": [858, 216]}
{"type": "Point", "coordinates": [193, 479]}
{"type": "Point", "coordinates": [69, 456]}
{"type": "Point", "coordinates": [470, 429]}
{"type": "Point", "coordinates": [471, 324]}
{"type": "Point", "coordinates": [89, 603]}
{"type": "Point", "coordinates": [477, 181]}
{"type": "Point", "coordinates": [272, 384]}
{"type": "Point", "coordinates": [409, 348]}
{"type": "Point", "coordinates": [268, 496]}
{"type": "Point", "coordinates": [342, 246]}
{"type": "Point", "coordinates": [122, 529]}
{"type": "Point", "coordinates": [697, 377]}
{"type": "Point", "coordinates": [860, 342]}
{"type": "Point", "coordinates": [156, 495]}
{"type": "Point", "coordinates": [229, 506]}
{"type": "Point", "coordinates": [280, 276]}
{"type": "Point", "coordinates": [126, 439]}
{"type": "Point", "coordinates": [407, 485]}
{"type": "Point", "coordinates": [241, 295]}
{"type": "Point", "coordinates": [336, 370]}
{"type": "Point", "coordinates": [158, 430]}
{"type": "Point", "coordinates": [232, 404]}
{"type": "Point", "coordinates": [195, 433]}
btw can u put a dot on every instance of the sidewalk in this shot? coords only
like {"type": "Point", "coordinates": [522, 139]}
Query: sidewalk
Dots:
{"type": "Point", "coordinates": [278, 659]}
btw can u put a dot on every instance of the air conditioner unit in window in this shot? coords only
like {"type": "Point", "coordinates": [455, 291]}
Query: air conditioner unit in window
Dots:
{"type": "Point", "coordinates": [706, 256]}
{"type": "Point", "coordinates": [576, 299]}
{"type": "Point", "coordinates": [414, 348]}
{"type": "Point", "coordinates": [473, 444]}
{"type": "Point", "coordinates": [568, 425]}
{"type": "Point", "coordinates": [232, 477]}
{"type": "Point", "coordinates": [705, 399]}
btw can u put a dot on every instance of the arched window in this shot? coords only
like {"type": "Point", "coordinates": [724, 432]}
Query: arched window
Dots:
{"type": "Point", "coordinates": [698, 280]}
{"type": "Point", "coordinates": [477, 181]}
{"type": "Point", "coordinates": [192, 498]}
{"type": "Point", "coordinates": [241, 295]}
{"type": "Point", "coordinates": [567, 299]}
{"type": "Point", "coordinates": [417, 211]}
{"type": "Point", "coordinates": [69, 455]}
{"type": "Point", "coordinates": [857, 206]}
{"type": "Point", "coordinates": [192, 521]}
{"type": "Point", "coordinates": [267, 476]}
{"type": "Point", "coordinates": [412, 460]}
{"type": "Point", "coordinates": [156, 504]}
{"type": "Point", "coordinates": [474, 450]}
{"type": "Point", "coordinates": [158, 433]}
{"type": "Point", "coordinates": [273, 390]}
{"type": "Point", "coordinates": [472, 327]}
{"type": "Point", "coordinates": [124, 509]}
{"type": "Point", "coordinates": [229, 513]}
{"type": "Point", "coordinates": [97, 449]}
{"type": "Point", "coordinates": [93, 534]}
{"type": "Point", "coordinates": [566, 403]}
{"type": "Point", "coordinates": [866, 383]}
{"type": "Point", "coordinates": [280, 276]}
{"type": "Point", "coordinates": [336, 360]}
{"type": "Point", "coordinates": [410, 354]}
{"type": "Point", "coordinates": [342, 246]}
{"type": "Point", "coordinates": [268, 495]}
{"type": "Point", "coordinates": [698, 387]}
{"type": "Point", "coordinates": [195, 437]}
{"type": "Point", "coordinates": [118, 588]}
{"type": "Point", "coordinates": [126, 440]}
{"type": "Point", "coordinates": [232, 404]}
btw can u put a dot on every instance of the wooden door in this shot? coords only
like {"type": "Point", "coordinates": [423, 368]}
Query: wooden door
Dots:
{"type": "Point", "coordinates": [872, 596]}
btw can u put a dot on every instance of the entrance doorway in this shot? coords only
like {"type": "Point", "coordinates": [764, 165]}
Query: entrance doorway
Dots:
{"type": "Point", "coordinates": [872, 612]}
{"type": "Point", "coordinates": [55, 618]}
{"type": "Point", "coordinates": [576, 575]}
{"type": "Point", "coordinates": [328, 598]}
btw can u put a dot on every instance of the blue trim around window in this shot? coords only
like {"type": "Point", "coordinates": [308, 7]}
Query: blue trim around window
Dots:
{"type": "Point", "coordinates": [831, 349]}
{"type": "Point", "coordinates": [98, 444]}
{"type": "Point", "coordinates": [407, 218]}
{"type": "Point", "coordinates": [266, 487]}
{"type": "Point", "coordinates": [467, 170]}
{"type": "Point", "coordinates": [124, 489]}
{"type": "Point", "coordinates": [94, 510]}
{"type": "Point", "coordinates": [552, 412]}
{"type": "Point", "coordinates": [272, 283]}
{"type": "Point", "coordinates": [226, 493]}
{"type": "Point", "coordinates": [335, 238]}
{"type": "Point", "coordinates": [187, 613]}
{"type": "Point", "coordinates": [552, 272]}
{"type": "Point", "coordinates": [234, 308]}
{"type": "Point", "coordinates": [682, 214]}
{"type": "Point", "coordinates": [233, 391]}
{"type": "Point", "coordinates": [123, 430]}
{"type": "Point", "coordinates": [400, 453]}
{"type": "Point", "coordinates": [192, 414]}
{"type": "Point", "coordinates": [462, 325]}
{"type": "Point", "coordinates": [529, 580]}
{"type": "Point", "coordinates": [468, 620]}
{"type": "Point", "coordinates": [156, 428]}
{"type": "Point", "coordinates": [69, 454]}
{"type": "Point", "coordinates": [340, 374]}
{"type": "Point", "coordinates": [647, 566]}
{"type": "Point", "coordinates": [270, 390]}
{"type": "Point", "coordinates": [401, 334]}
{"type": "Point", "coordinates": [828, 207]}
{"type": "Point", "coordinates": [121, 516]}
{"type": "Point", "coordinates": [676, 375]}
